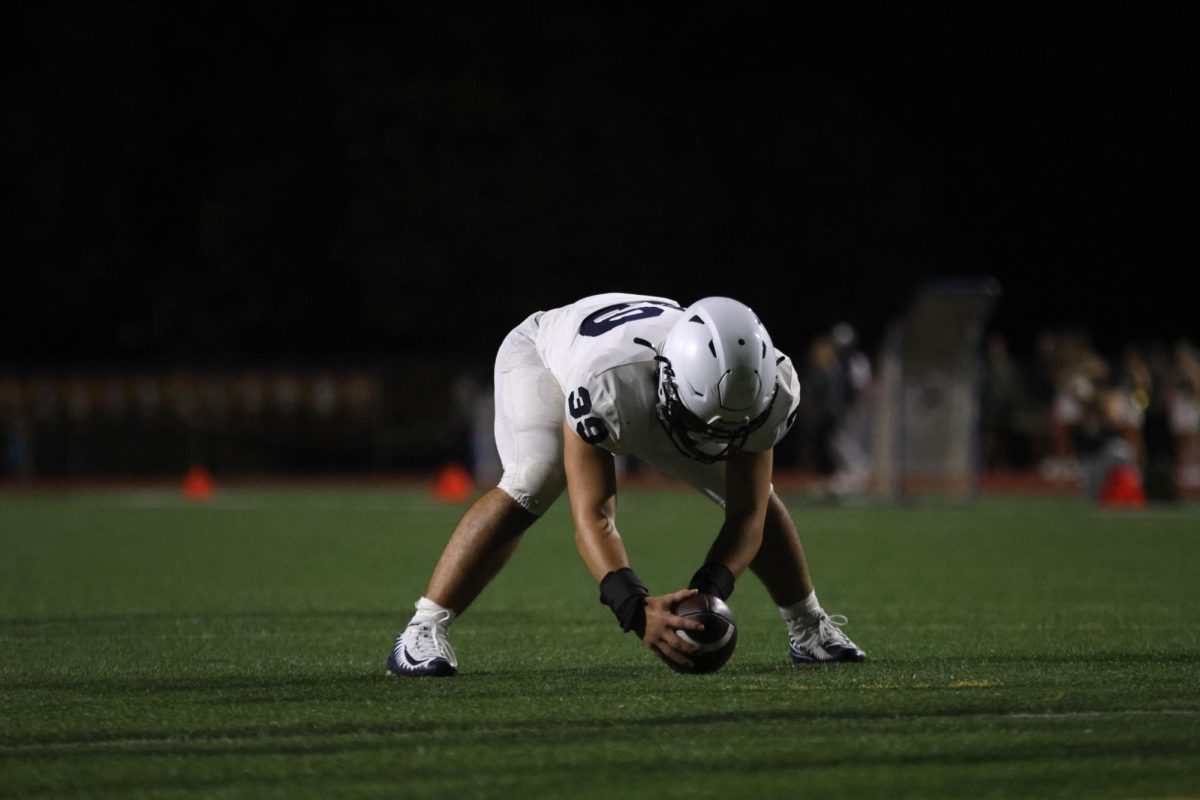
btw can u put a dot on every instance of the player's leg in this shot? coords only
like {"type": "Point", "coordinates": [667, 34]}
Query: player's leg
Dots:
{"type": "Point", "coordinates": [781, 565]}
{"type": "Point", "coordinates": [814, 635]}
{"type": "Point", "coordinates": [529, 407]}
{"type": "Point", "coordinates": [481, 545]}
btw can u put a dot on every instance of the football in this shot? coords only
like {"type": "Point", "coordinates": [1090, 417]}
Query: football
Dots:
{"type": "Point", "coordinates": [716, 641]}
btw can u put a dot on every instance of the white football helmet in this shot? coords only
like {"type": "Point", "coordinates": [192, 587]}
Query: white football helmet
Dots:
{"type": "Point", "coordinates": [716, 379]}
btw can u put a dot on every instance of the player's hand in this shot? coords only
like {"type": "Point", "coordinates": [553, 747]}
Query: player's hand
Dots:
{"type": "Point", "coordinates": [661, 624]}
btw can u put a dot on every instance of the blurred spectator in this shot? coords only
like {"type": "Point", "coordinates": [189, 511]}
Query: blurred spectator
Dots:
{"type": "Point", "coordinates": [1077, 372]}
{"type": "Point", "coordinates": [285, 395]}
{"type": "Point", "coordinates": [850, 442]}
{"type": "Point", "coordinates": [1106, 435]}
{"type": "Point", "coordinates": [1184, 410]}
{"type": "Point", "coordinates": [1097, 420]}
{"type": "Point", "coordinates": [833, 434]}
{"type": "Point", "coordinates": [1002, 399]}
{"type": "Point", "coordinates": [181, 398]}
{"type": "Point", "coordinates": [1160, 459]}
{"type": "Point", "coordinates": [1133, 383]}
{"type": "Point", "coordinates": [474, 407]}
{"type": "Point", "coordinates": [149, 399]}
{"type": "Point", "coordinates": [823, 402]}
{"type": "Point", "coordinates": [854, 364]}
{"type": "Point", "coordinates": [17, 431]}
{"type": "Point", "coordinates": [78, 400]}
{"type": "Point", "coordinates": [1040, 379]}
{"type": "Point", "coordinates": [323, 396]}
{"type": "Point", "coordinates": [214, 401]}
{"type": "Point", "coordinates": [113, 399]}
{"type": "Point", "coordinates": [45, 398]}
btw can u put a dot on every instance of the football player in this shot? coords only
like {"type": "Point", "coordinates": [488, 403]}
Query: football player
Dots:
{"type": "Point", "coordinates": [699, 393]}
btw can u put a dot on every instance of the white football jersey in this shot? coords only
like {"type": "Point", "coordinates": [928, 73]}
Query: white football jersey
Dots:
{"type": "Point", "coordinates": [601, 351]}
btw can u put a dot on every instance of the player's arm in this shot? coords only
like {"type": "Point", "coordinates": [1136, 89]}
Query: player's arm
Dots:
{"type": "Point", "coordinates": [747, 493]}
{"type": "Point", "coordinates": [592, 489]}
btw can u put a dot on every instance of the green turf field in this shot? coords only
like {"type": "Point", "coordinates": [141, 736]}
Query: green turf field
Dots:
{"type": "Point", "coordinates": [1019, 648]}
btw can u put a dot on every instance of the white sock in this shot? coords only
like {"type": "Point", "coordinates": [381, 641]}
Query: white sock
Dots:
{"type": "Point", "coordinates": [426, 609]}
{"type": "Point", "coordinates": [807, 609]}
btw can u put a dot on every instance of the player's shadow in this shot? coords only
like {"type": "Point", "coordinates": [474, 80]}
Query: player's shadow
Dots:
{"type": "Point", "coordinates": [341, 738]}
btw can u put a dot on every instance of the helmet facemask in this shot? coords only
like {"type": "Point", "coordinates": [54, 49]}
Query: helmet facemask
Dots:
{"type": "Point", "coordinates": [717, 379]}
{"type": "Point", "coordinates": [693, 436]}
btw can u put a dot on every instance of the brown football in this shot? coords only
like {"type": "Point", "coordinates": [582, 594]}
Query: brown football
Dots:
{"type": "Point", "coordinates": [716, 641]}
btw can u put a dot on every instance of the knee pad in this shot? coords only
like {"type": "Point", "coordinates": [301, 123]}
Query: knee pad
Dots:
{"type": "Point", "coordinates": [534, 487]}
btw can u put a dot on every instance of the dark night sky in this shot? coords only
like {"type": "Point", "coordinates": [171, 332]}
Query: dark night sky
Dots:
{"type": "Point", "coordinates": [270, 183]}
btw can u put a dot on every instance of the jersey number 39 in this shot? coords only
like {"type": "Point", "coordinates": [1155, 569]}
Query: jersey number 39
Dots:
{"type": "Point", "coordinates": [590, 428]}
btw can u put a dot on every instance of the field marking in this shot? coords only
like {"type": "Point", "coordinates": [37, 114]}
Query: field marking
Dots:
{"type": "Point", "coordinates": [1129, 712]}
{"type": "Point", "coordinates": [985, 683]}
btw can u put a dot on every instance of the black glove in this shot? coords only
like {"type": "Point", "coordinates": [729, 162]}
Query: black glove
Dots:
{"type": "Point", "coordinates": [713, 578]}
{"type": "Point", "coordinates": [621, 591]}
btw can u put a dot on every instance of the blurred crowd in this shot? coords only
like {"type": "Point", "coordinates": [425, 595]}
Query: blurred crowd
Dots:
{"type": "Point", "coordinates": [832, 439]}
{"type": "Point", "coordinates": [1065, 412]}
{"type": "Point", "coordinates": [1069, 410]}
{"type": "Point", "coordinates": [145, 423]}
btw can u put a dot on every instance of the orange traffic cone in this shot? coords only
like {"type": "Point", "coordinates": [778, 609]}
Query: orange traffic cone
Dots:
{"type": "Point", "coordinates": [452, 483]}
{"type": "Point", "coordinates": [198, 484]}
{"type": "Point", "coordinates": [1122, 489]}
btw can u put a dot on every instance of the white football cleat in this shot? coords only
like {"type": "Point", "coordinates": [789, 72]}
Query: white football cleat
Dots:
{"type": "Point", "coordinates": [423, 649]}
{"type": "Point", "coordinates": [821, 641]}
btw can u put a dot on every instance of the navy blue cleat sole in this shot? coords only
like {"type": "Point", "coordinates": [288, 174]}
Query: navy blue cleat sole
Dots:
{"type": "Point", "coordinates": [838, 655]}
{"type": "Point", "coordinates": [437, 668]}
